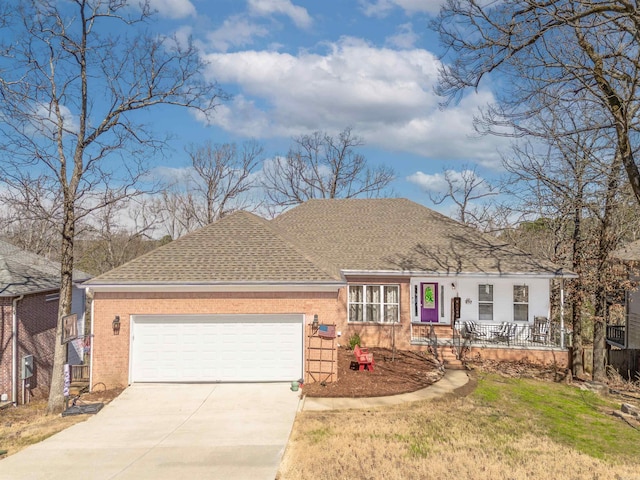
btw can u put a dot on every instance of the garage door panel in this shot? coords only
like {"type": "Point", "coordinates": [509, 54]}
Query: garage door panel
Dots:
{"type": "Point", "coordinates": [216, 348]}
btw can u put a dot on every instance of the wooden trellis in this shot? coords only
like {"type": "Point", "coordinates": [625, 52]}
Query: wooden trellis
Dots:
{"type": "Point", "coordinates": [322, 354]}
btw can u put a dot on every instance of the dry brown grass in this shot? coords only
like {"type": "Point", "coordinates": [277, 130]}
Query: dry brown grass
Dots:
{"type": "Point", "coordinates": [466, 438]}
{"type": "Point", "coordinates": [26, 425]}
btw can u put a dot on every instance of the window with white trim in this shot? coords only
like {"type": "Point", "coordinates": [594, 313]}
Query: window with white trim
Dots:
{"type": "Point", "coordinates": [485, 302]}
{"type": "Point", "coordinates": [374, 303]}
{"type": "Point", "coordinates": [520, 303]}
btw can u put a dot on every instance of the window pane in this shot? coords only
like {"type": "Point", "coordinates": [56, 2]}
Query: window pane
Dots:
{"type": "Point", "coordinates": [391, 313]}
{"type": "Point", "coordinates": [391, 294]}
{"type": "Point", "coordinates": [485, 293]}
{"type": "Point", "coordinates": [373, 294]}
{"type": "Point", "coordinates": [372, 313]}
{"type": "Point", "coordinates": [355, 313]}
{"type": "Point", "coordinates": [520, 293]}
{"type": "Point", "coordinates": [521, 312]}
{"type": "Point", "coordinates": [355, 293]}
{"type": "Point", "coordinates": [485, 311]}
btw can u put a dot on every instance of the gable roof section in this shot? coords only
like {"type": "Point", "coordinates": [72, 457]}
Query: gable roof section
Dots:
{"type": "Point", "coordinates": [629, 253]}
{"type": "Point", "coordinates": [241, 248]}
{"type": "Point", "coordinates": [398, 235]}
{"type": "Point", "coordinates": [23, 272]}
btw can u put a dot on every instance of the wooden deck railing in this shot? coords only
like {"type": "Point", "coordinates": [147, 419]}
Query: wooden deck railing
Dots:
{"type": "Point", "coordinates": [616, 334]}
{"type": "Point", "coordinates": [79, 373]}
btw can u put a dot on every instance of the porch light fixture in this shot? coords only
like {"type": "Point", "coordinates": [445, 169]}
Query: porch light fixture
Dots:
{"type": "Point", "coordinates": [116, 325]}
{"type": "Point", "coordinates": [314, 325]}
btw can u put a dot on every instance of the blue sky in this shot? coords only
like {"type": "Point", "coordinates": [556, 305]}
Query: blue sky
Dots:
{"type": "Point", "coordinates": [295, 67]}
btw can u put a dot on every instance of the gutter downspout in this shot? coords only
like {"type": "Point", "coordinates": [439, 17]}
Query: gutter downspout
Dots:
{"type": "Point", "coordinates": [86, 293]}
{"type": "Point", "coordinates": [14, 347]}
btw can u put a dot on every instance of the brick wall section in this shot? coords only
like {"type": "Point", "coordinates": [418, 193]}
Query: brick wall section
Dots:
{"type": "Point", "coordinates": [559, 358]}
{"type": "Point", "coordinates": [37, 320]}
{"type": "Point", "coordinates": [5, 346]}
{"type": "Point", "coordinates": [111, 352]}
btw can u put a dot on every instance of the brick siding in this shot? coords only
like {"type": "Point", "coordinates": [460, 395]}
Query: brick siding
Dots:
{"type": "Point", "coordinates": [37, 320]}
{"type": "Point", "coordinates": [111, 352]}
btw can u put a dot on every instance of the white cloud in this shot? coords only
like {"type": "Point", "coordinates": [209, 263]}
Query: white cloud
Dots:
{"type": "Point", "coordinates": [405, 38]}
{"type": "Point", "coordinates": [432, 183]}
{"type": "Point", "coordinates": [174, 8]}
{"type": "Point", "coordinates": [236, 31]}
{"type": "Point", "coordinates": [298, 15]}
{"type": "Point", "coordinates": [44, 120]}
{"type": "Point", "coordinates": [438, 183]}
{"type": "Point", "coordinates": [381, 8]}
{"type": "Point", "coordinates": [385, 94]}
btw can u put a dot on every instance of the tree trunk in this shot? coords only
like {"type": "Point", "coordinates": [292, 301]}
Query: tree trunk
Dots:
{"type": "Point", "coordinates": [56, 393]}
{"type": "Point", "coordinates": [576, 322]}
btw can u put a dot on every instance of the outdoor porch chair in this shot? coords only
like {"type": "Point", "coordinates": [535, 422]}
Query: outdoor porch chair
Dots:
{"type": "Point", "coordinates": [505, 333]}
{"type": "Point", "coordinates": [471, 330]}
{"type": "Point", "coordinates": [540, 330]}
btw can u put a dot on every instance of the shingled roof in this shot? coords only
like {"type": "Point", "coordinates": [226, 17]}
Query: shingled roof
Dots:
{"type": "Point", "coordinates": [321, 240]}
{"type": "Point", "coordinates": [23, 272]}
{"type": "Point", "coordinates": [239, 248]}
{"type": "Point", "coordinates": [397, 234]}
{"type": "Point", "coordinates": [628, 253]}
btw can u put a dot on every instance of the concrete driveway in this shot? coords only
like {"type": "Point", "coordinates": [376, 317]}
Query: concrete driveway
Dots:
{"type": "Point", "coordinates": [170, 431]}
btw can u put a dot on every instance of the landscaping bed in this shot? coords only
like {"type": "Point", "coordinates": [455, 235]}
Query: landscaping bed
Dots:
{"type": "Point", "coordinates": [402, 372]}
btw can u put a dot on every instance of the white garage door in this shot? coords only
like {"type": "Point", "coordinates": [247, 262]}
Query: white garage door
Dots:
{"type": "Point", "coordinates": [212, 348]}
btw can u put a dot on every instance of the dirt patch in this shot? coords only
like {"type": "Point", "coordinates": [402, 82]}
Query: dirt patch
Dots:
{"type": "Point", "coordinates": [523, 369]}
{"type": "Point", "coordinates": [406, 371]}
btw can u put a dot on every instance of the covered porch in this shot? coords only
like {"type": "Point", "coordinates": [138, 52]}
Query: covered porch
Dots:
{"type": "Point", "coordinates": [503, 334]}
{"type": "Point", "coordinates": [489, 341]}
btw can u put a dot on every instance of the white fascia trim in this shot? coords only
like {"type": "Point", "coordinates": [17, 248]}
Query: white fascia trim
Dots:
{"type": "Point", "coordinates": [422, 273]}
{"type": "Point", "coordinates": [238, 287]}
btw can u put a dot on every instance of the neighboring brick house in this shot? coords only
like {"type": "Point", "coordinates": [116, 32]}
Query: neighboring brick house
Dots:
{"type": "Point", "coordinates": [237, 299]}
{"type": "Point", "coordinates": [29, 292]}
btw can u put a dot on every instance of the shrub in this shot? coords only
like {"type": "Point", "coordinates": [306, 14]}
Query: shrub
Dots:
{"type": "Point", "coordinates": [354, 340]}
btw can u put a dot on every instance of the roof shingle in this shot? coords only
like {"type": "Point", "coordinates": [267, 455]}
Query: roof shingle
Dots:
{"type": "Point", "coordinates": [23, 272]}
{"type": "Point", "coordinates": [318, 240]}
{"type": "Point", "coordinates": [239, 248]}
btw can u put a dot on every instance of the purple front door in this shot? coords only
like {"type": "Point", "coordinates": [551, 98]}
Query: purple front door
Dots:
{"type": "Point", "coordinates": [428, 302]}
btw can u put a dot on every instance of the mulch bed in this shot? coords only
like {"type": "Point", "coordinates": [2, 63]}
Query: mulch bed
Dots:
{"type": "Point", "coordinates": [406, 371]}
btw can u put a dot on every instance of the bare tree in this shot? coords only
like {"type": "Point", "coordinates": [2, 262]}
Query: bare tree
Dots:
{"type": "Point", "coordinates": [322, 166]}
{"type": "Point", "coordinates": [175, 209]}
{"type": "Point", "coordinates": [222, 177]}
{"type": "Point", "coordinates": [573, 179]}
{"type": "Point", "coordinates": [115, 234]}
{"type": "Point", "coordinates": [555, 54]}
{"type": "Point", "coordinates": [219, 181]}
{"type": "Point", "coordinates": [76, 76]}
{"type": "Point", "coordinates": [468, 191]}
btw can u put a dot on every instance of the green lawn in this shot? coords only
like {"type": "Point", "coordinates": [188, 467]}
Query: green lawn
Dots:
{"type": "Point", "coordinates": [506, 429]}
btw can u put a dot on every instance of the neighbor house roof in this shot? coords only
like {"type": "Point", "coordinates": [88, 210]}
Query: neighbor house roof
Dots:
{"type": "Point", "coordinates": [23, 272]}
{"type": "Point", "coordinates": [628, 253]}
{"type": "Point", "coordinates": [321, 242]}
{"type": "Point", "coordinates": [239, 248]}
{"type": "Point", "coordinates": [396, 234]}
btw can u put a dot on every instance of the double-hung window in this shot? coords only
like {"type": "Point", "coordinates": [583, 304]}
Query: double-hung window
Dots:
{"type": "Point", "coordinates": [485, 302]}
{"type": "Point", "coordinates": [374, 303]}
{"type": "Point", "coordinates": [520, 303]}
